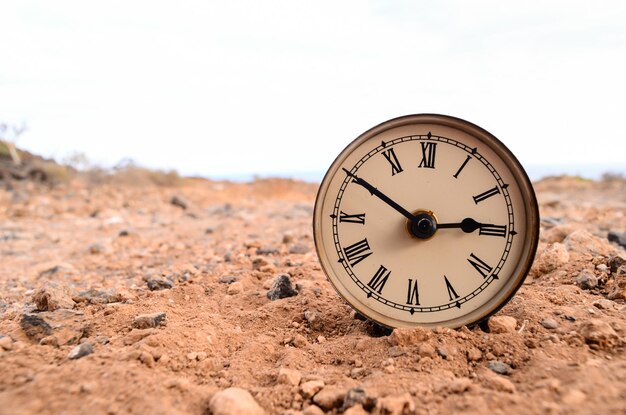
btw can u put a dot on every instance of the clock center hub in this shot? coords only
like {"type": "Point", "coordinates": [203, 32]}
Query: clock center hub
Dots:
{"type": "Point", "coordinates": [424, 225]}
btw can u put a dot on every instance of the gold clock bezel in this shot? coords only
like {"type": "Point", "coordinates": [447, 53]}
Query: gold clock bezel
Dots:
{"type": "Point", "coordinates": [531, 218]}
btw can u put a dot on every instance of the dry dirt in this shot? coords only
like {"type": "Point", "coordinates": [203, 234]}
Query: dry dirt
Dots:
{"type": "Point", "coordinates": [80, 262]}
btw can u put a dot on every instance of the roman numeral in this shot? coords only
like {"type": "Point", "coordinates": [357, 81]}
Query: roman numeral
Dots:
{"type": "Point", "coordinates": [428, 155]}
{"type": "Point", "coordinates": [486, 195]}
{"type": "Point", "coordinates": [390, 155]}
{"type": "Point", "coordinates": [456, 175]}
{"type": "Point", "coordinates": [493, 230]}
{"type": "Point", "coordinates": [413, 296]}
{"type": "Point", "coordinates": [357, 218]}
{"type": "Point", "coordinates": [378, 281]}
{"type": "Point", "coordinates": [451, 293]}
{"type": "Point", "coordinates": [357, 252]}
{"type": "Point", "coordinates": [480, 265]}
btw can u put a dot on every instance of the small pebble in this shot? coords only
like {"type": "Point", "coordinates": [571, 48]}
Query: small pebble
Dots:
{"type": "Point", "coordinates": [6, 343]}
{"type": "Point", "coordinates": [499, 367]}
{"type": "Point", "coordinates": [145, 321]}
{"type": "Point", "coordinates": [549, 323]}
{"type": "Point", "coordinates": [234, 401]}
{"type": "Point", "coordinates": [329, 397]}
{"type": "Point", "coordinates": [586, 280]}
{"type": "Point", "coordinates": [235, 288]}
{"type": "Point", "coordinates": [178, 202]}
{"type": "Point", "coordinates": [281, 288]}
{"type": "Point", "coordinates": [159, 284]}
{"type": "Point", "coordinates": [81, 350]}
{"type": "Point", "coordinates": [299, 249]}
{"type": "Point", "coordinates": [227, 279]}
{"type": "Point", "coordinates": [289, 376]}
{"type": "Point", "coordinates": [502, 324]}
{"type": "Point", "coordinates": [314, 319]}
{"type": "Point", "coordinates": [310, 388]}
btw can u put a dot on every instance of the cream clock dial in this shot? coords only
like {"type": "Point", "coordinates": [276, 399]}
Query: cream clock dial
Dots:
{"type": "Point", "coordinates": [426, 220]}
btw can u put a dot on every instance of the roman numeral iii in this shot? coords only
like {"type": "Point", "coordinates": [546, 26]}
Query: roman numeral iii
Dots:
{"type": "Point", "coordinates": [493, 230]}
{"type": "Point", "coordinates": [378, 281]}
{"type": "Point", "coordinates": [357, 252]}
{"type": "Point", "coordinates": [428, 155]}
{"type": "Point", "coordinates": [390, 155]}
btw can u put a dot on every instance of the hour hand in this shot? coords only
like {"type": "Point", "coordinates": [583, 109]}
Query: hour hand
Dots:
{"type": "Point", "coordinates": [467, 225]}
{"type": "Point", "coordinates": [375, 192]}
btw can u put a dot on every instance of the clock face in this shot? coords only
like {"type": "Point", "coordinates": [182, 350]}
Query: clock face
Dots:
{"type": "Point", "coordinates": [426, 220]}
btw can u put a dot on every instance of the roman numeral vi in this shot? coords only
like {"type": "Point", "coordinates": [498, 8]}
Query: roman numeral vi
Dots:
{"type": "Point", "coordinates": [413, 296]}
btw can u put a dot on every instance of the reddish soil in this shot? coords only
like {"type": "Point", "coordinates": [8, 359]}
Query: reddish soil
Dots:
{"type": "Point", "coordinates": [79, 263]}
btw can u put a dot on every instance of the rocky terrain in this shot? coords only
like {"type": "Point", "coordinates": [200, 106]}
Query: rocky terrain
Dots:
{"type": "Point", "coordinates": [207, 298]}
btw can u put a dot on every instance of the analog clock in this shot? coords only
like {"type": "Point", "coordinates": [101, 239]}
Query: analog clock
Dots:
{"type": "Point", "coordinates": [426, 220]}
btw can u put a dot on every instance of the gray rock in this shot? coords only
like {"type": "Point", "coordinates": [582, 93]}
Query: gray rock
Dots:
{"type": "Point", "coordinates": [299, 249]}
{"type": "Point", "coordinates": [81, 350]}
{"type": "Point", "coordinates": [615, 262]}
{"type": "Point", "coordinates": [355, 396]}
{"type": "Point", "coordinates": [146, 321]}
{"type": "Point", "coordinates": [35, 327]}
{"type": "Point", "coordinates": [93, 296]}
{"type": "Point", "coordinates": [159, 284]}
{"type": "Point", "coordinates": [500, 368]}
{"type": "Point", "coordinates": [227, 279]}
{"type": "Point", "coordinates": [586, 280]}
{"type": "Point", "coordinates": [179, 202]}
{"type": "Point", "coordinates": [281, 288]}
{"type": "Point", "coordinates": [67, 326]}
{"type": "Point", "coordinates": [618, 238]}
{"type": "Point", "coordinates": [266, 251]}
{"type": "Point", "coordinates": [549, 323]}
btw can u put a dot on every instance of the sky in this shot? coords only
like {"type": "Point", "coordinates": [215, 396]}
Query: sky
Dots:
{"type": "Point", "coordinates": [233, 88]}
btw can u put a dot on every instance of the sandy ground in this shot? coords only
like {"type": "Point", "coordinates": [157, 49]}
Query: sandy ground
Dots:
{"type": "Point", "coordinates": [136, 299]}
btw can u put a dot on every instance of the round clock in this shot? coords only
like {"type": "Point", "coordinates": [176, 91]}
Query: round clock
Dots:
{"type": "Point", "coordinates": [426, 220]}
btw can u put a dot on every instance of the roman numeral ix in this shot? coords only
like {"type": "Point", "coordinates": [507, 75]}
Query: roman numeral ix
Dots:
{"type": "Point", "coordinates": [357, 252]}
{"type": "Point", "coordinates": [356, 218]}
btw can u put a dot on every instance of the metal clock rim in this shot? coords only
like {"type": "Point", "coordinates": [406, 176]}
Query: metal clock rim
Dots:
{"type": "Point", "coordinates": [523, 181]}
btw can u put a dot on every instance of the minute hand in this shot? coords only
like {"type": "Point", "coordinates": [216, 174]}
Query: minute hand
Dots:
{"type": "Point", "coordinates": [374, 191]}
{"type": "Point", "coordinates": [467, 225]}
